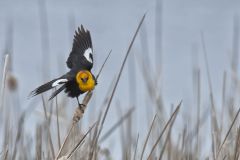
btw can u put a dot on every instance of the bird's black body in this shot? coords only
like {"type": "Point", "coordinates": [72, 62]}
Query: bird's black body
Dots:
{"type": "Point", "coordinates": [72, 89]}
{"type": "Point", "coordinates": [80, 59]}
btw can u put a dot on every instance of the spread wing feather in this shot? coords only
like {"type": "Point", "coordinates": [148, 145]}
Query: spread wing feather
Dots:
{"type": "Point", "coordinates": [47, 86]}
{"type": "Point", "coordinates": [81, 43]}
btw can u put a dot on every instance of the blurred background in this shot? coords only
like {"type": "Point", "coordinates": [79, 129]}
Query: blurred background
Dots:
{"type": "Point", "coordinates": [185, 51]}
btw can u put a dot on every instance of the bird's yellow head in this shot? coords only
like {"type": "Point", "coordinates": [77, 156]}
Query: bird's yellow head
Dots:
{"type": "Point", "coordinates": [85, 81]}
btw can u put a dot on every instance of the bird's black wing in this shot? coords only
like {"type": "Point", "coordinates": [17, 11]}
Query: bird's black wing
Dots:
{"type": "Point", "coordinates": [58, 91]}
{"type": "Point", "coordinates": [56, 82]}
{"type": "Point", "coordinates": [82, 50]}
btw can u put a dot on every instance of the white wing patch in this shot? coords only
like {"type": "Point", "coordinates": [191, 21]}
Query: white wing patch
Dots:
{"type": "Point", "coordinates": [87, 54]}
{"type": "Point", "coordinates": [59, 81]}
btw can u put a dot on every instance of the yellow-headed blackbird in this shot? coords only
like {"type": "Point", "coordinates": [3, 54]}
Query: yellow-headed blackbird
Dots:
{"type": "Point", "coordinates": [80, 62]}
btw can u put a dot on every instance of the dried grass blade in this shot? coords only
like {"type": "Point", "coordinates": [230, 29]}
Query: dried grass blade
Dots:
{"type": "Point", "coordinates": [64, 142]}
{"type": "Point", "coordinates": [213, 110]}
{"type": "Point", "coordinates": [229, 130]}
{"type": "Point", "coordinates": [19, 135]}
{"type": "Point", "coordinates": [38, 154]}
{"type": "Point", "coordinates": [117, 124]}
{"type": "Point", "coordinates": [135, 151]}
{"type": "Point", "coordinates": [58, 128]}
{"type": "Point", "coordinates": [48, 128]}
{"type": "Point", "coordinates": [45, 44]}
{"type": "Point", "coordinates": [167, 138]}
{"type": "Point", "coordinates": [164, 129]}
{"type": "Point", "coordinates": [236, 152]}
{"type": "Point", "coordinates": [5, 157]}
{"type": "Point", "coordinates": [80, 141]}
{"type": "Point", "coordinates": [103, 64]}
{"type": "Point", "coordinates": [77, 116]}
{"type": "Point", "coordinates": [119, 75]}
{"type": "Point", "coordinates": [93, 145]}
{"type": "Point", "coordinates": [6, 61]}
{"type": "Point", "coordinates": [223, 100]}
{"type": "Point", "coordinates": [148, 135]}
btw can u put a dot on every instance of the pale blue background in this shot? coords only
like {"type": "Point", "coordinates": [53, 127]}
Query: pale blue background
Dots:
{"type": "Point", "coordinates": [112, 25]}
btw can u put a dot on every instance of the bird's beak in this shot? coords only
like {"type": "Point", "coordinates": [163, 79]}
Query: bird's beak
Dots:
{"type": "Point", "coordinates": [84, 80]}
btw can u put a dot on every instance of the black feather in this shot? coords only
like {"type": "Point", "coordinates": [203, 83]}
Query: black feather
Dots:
{"type": "Point", "coordinates": [82, 41]}
{"type": "Point", "coordinates": [57, 91]}
{"type": "Point", "coordinates": [43, 88]}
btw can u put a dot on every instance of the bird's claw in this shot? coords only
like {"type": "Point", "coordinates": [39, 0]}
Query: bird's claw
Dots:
{"type": "Point", "coordinates": [81, 107]}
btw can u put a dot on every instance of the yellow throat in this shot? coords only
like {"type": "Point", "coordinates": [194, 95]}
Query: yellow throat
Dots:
{"type": "Point", "coordinates": [85, 81]}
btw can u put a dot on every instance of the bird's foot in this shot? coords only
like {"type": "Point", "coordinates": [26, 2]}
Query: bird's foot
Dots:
{"type": "Point", "coordinates": [82, 107]}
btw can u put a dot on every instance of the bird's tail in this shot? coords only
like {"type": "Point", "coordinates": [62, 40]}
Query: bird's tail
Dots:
{"type": "Point", "coordinates": [49, 85]}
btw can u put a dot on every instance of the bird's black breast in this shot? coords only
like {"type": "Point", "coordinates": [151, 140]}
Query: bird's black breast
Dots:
{"type": "Point", "coordinates": [72, 89]}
